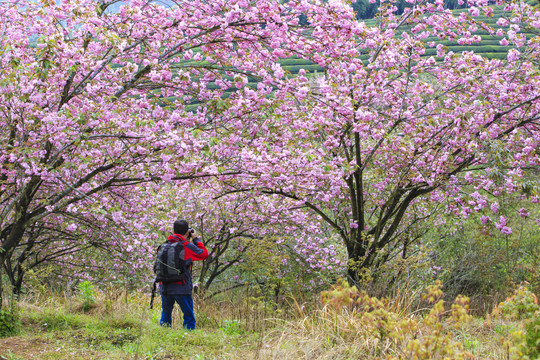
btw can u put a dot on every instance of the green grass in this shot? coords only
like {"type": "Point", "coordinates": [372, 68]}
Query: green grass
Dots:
{"type": "Point", "coordinates": [238, 328]}
{"type": "Point", "coordinates": [10, 356]}
{"type": "Point", "coordinates": [127, 330]}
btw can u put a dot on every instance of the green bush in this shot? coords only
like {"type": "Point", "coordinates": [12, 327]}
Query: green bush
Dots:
{"type": "Point", "coordinates": [500, 56]}
{"type": "Point", "coordinates": [87, 294]}
{"type": "Point", "coordinates": [523, 304]}
{"type": "Point", "coordinates": [532, 337]}
{"type": "Point", "coordinates": [9, 322]}
{"type": "Point", "coordinates": [479, 48]}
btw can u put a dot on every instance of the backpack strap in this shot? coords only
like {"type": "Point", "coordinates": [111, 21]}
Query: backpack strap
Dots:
{"type": "Point", "coordinates": [176, 237]}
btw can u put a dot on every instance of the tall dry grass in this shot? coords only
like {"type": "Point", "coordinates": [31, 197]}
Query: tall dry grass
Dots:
{"type": "Point", "coordinates": [351, 325]}
{"type": "Point", "coordinates": [343, 323]}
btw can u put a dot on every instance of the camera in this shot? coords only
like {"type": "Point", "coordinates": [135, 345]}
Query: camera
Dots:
{"type": "Point", "coordinates": [191, 231]}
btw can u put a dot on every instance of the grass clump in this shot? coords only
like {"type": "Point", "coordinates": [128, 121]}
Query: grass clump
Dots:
{"type": "Point", "coordinates": [10, 356]}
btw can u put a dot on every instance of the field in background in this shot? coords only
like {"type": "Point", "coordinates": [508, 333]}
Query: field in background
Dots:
{"type": "Point", "coordinates": [490, 47]}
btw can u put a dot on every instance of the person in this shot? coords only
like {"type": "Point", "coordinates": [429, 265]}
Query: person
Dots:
{"type": "Point", "coordinates": [182, 292]}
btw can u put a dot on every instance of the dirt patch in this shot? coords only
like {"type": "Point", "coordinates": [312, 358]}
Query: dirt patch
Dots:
{"type": "Point", "coordinates": [25, 349]}
{"type": "Point", "coordinates": [38, 348]}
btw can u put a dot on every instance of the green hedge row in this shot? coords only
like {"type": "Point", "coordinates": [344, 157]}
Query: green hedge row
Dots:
{"type": "Point", "coordinates": [476, 49]}
{"type": "Point", "coordinates": [495, 42]}
{"type": "Point", "coordinates": [494, 55]}
{"type": "Point", "coordinates": [293, 61]}
{"type": "Point", "coordinates": [485, 37]}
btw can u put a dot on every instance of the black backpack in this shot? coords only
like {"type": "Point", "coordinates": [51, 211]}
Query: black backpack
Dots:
{"type": "Point", "coordinates": [170, 265]}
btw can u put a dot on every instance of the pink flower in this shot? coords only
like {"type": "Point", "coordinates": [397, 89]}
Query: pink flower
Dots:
{"type": "Point", "coordinates": [188, 54]}
{"type": "Point", "coordinates": [502, 22]}
{"type": "Point", "coordinates": [523, 213]}
{"type": "Point", "coordinates": [474, 11]}
{"type": "Point", "coordinates": [513, 55]}
{"type": "Point", "coordinates": [506, 230]}
{"type": "Point", "coordinates": [302, 93]}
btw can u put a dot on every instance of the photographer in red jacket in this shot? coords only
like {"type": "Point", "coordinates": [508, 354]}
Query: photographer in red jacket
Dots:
{"type": "Point", "coordinates": [181, 292]}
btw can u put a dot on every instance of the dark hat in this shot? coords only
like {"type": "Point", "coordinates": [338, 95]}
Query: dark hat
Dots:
{"type": "Point", "coordinates": [180, 227]}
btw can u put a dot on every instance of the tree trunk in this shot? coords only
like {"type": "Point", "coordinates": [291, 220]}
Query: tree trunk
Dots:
{"type": "Point", "coordinates": [352, 276]}
{"type": "Point", "coordinates": [1, 276]}
{"type": "Point", "coordinates": [358, 263]}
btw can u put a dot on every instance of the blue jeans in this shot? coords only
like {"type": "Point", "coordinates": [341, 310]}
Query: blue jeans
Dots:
{"type": "Point", "coordinates": [186, 304]}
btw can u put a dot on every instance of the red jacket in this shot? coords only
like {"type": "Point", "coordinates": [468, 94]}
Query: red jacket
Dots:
{"type": "Point", "coordinates": [193, 251]}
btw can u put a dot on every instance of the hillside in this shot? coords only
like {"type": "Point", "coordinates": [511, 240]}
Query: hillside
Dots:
{"type": "Point", "coordinates": [489, 47]}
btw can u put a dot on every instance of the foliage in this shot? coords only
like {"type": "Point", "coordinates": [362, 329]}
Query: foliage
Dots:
{"type": "Point", "coordinates": [375, 328]}
{"type": "Point", "coordinates": [474, 258]}
{"type": "Point", "coordinates": [9, 322]}
{"type": "Point", "coordinates": [523, 304]}
{"type": "Point", "coordinates": [330, 329]}
{"type": "Point", "coordinates": [251, 240]}
{"type": "Point", "coordinates": [87, 294]}
{"type": "Point", "coordinates": [379, 146]}
{"type": "Point", "coordinates": [93, 145]}
{"type": "Point", "coordinates": [476, 266]}
{"type": "Point", "coordinates": [92, 110]}
{"type": "Point", "coordinates": [524, 342]}
{"type": "Point", "coordinates": [368, 9]}
{"type": "Point", "coordinates": [532, 336]}
{"type": "Point", "coordinates": [231, 327]}
{"type": "Point", "coordinates": [283, 266]}
{"type": "Point", "coordinates": [113, 121]}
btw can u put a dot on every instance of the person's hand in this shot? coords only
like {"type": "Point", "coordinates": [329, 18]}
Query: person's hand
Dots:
{"type": "Point", "coordinates": [193, 234]}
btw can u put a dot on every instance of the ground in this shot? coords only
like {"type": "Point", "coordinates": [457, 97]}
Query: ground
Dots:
{"type": "Point", "coordinates": [22, 348]}
{"type": "Point", "coordinates": [19, 348]}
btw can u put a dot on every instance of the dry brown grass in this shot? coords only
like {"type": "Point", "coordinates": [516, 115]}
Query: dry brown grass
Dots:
{"type": "Point", "coordinates": [344, 324]}
{"type": "Point", "coordinates": [330, 334]}
{"type": "Point", "coordinates": [368, 328]}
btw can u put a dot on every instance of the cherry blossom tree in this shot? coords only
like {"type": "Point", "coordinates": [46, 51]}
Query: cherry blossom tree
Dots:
{"type": "Point", "coordinates": [103, 242]}
{"type": "Point", "coordinates": [94, 99]}
{"type": "Point", "coordinates": [372, 146]}
{"type": "Point", "coordinates": [117, 245]}
{"type": "Point", "coordinates": [237, 226]}
{"type": "Point", "coordinates": [48, 244]}
{"type": "Point", "coordinates": [96, 103]}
